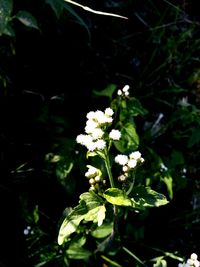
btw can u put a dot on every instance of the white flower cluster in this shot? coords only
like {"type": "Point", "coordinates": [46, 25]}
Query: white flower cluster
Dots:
{"type": "Point", "coordinates": [124, 91]}
{"type": "Point", "coordinates": [95, 130]}
{"type": "Point", "coordinates": [128, 163]}
{"type": "Point", "coordinates": [95, 177]}
{"type": "Point", "coordinates": [191, 262]}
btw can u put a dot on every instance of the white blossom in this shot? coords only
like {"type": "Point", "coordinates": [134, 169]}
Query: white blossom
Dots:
{"type": "Point", "coordinates": [132, 163]}
{"type": "Point", "coordinates": [121, 159]}
{"type": "Point", "coordinates": [109, 112]}
{"type": "Point", "coordinates": [193, 256]}
{"type": "Point", "coordinates": [125, 168]}
{"type": "Point", "coordinates": [135, 155]}
{"type": "Point", "coordinates": [92, 171]}
{"type": "Point", "coordinates": [91, 115]}
{"type": "Point", "coordinates": [100, 144]}
{"type": "Point", "coordinates": [126, 88]}
{"type": "Point", "coordinates": [84, 139]}
{"type": "Point", "coordinates": [115, 135]}
{"type": "Point", "coordinates": [126, 93]}
{"type": "Point", "coordinates": [119, 92]}
{"type": "Point", "coordinates": [90, 126]}
{"type": "Point", "coordinates": [97, 133]}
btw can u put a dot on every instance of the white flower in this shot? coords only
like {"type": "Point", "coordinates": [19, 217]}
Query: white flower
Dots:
{"type": "Point", "coordinates": [190, 261]}
{"type": "Point", "coordinates": [83, 139]}
{"type": "Point", "coordinates": [91, 115]}
{"type": "Point", "coordinates": [193, 256]}
{"type": "Point", "coordinates": [121, 159]}
{"type": "Point", "coordinates": [196, 263]}
{"type": "Point", "coordinates": [135, 155]}
{"type": "Point", "coordinates": [119, 92]}
{"type": "Point", "coordinates": [91, 146]}
{"type": "Point", "coordinates": [97, 133]}
{"type": "Point", "coordinates": [100, 144]}
{"type": "Point", "coordinates": [109, 112]}
{"type": "Point", "coordinates": [125, 168]}
{"type": "Point", "coordinates": [126, 93]}
{"type": "Point", "coordinates": [132, 163]}
{"type": "Point", "coordinates": [125, 88]}
{"type": "Point", "coordinates": [100, 117]}
{"type": "Point", "coordinates": [90, 126]}
{"type": "Point", "coordinates": [115, 135]}
{"type": "Point", "coordinates": [92, 171]}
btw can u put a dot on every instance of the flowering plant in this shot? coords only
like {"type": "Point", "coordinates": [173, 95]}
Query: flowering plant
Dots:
{"type": "Point", "coordinates": [110, 136]}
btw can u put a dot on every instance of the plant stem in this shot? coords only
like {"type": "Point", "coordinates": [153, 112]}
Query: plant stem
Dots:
{"type": "Point", "coordinates": [131, 186]}
{"type": "Point", "coordinates": [108, 168]}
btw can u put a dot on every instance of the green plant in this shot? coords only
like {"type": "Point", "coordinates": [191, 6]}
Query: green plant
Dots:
{"type": "Point", "coordinates": [114, 191]}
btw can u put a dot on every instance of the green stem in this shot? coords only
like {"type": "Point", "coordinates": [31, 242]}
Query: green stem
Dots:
{"type": "Point", "coordinates": [108, 168]}
{"type": "Point", "coordinates": [131, 186]}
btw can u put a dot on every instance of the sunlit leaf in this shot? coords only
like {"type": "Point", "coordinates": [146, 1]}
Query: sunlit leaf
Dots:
{"type": "Point", "coordinates": [96, 208]}
{"type": "Point", "coordinates": [90, 208]}
{"type": "Point", "coordinates": [27, 19]}
{"type": "Point", "coordinates": [160, 263]}
{"type": "Point", "coordinates": [167, 179]}
{"type": "Point", "coordinates": [117, 197]}
{"type": "Point", "coordinates": [97, 215]}
{"type": "Point", "coordinates": [71, 222]}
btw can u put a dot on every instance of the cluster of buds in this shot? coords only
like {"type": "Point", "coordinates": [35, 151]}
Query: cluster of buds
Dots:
{"type": "Point", "coordinates": [124, 91]}
{"type": "Point", "coordinates": [128, 163]}
{"type": "Point", "coordinates": [97, 122]}
{"type": "Point", "coordinates": [191, 262]}
{"type": "Point", "coordinates": [95, 177]}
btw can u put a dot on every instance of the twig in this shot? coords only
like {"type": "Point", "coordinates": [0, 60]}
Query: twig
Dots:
{"type": "Point", "coordinates": [95, 11]}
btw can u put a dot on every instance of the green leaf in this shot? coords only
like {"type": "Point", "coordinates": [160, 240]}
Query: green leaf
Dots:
{"type": "Point", "coordinates": [92, 200]}
{"type": "Point", "coordinates": [107, 92]}
{"type": "Point", "coordinates": [8, 30]}
{"type": "Point", "coordinates": [95, 153]}
{"type": "Point", "coordinates": [97, 215]}
{"type": "Point", "coordinates": [129, 140]}
{"type": "Point", "coordinates": [96, 208]}
{"type": "Point", "coordinates": [78, 241]}
{"type": "Point", "coordinates": [167, 179]}
{"type": "Point", "coordinates": [6, 7]}
{"type": "Point", "coordinates": [116, 196]}
{"type": "Point", "coordinates": [146, 197]}
{"type": "Point", "coordinates": [103, 230]}
{"type": "Point", "coordinates": [91, 208]}
{"type": "Point", "coordinates": [57, 6]}
{"type": "Point", "coordinates": [134, 107]}
{"type": "Point", "coordinates": [160, 263]}
{"type": "Point", "coordinates": [78, 253]}
{"type": "Point", "coordinates": [71, 222]}
{"type": "Point", "coordinates": [27, 19]}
